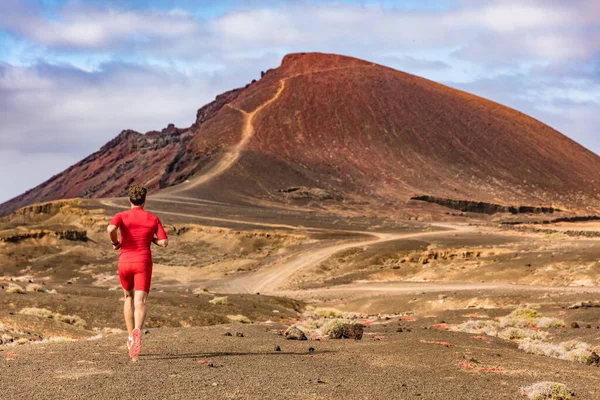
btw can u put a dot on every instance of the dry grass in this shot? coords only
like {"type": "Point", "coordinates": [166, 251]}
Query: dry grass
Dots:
{"type": "Point", "coordinates": [35, 288]}
{"type": "Point", "coordinates": [546, 322]}
{"type": "Point", "coordinates": [38, 312]}
{"type": "Point", "coordinates": [70, 319]}
{"type": "Point", "coordinates": [547, 390]}
{"type": "Point", "coordinates": [521, 318]}
{"type": "Point", "coordinates": [522, 333]}
{"type": "Point", "coordinates": [45, 313]}
{"type": "Point", "coordinates": [221, 301]}
{"type": "Point", "coordinates": [480, 327]}
{"type": "Point", "coordinates": [239, 318]}
{"type": "Point", "coordinates": [15, 289]}
{"type": "Point", "coordinates": [571, 351]}
{"type": "Point", "coordinates": [523, 326]}
{"type": "Point", "coordinates": [329, 326]}
{"type": "Point", "coordinates": [324, 312]}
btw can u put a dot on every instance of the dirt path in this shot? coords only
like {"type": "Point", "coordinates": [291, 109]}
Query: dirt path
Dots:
{"type": "Point", "coordinates": [273, 277]}
{"type": "Point", "coordinates": [233, 154]}
{"type": "Point", "coordinates": [110, 203]}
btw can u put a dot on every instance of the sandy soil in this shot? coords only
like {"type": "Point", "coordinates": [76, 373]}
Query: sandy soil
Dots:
{"type": "Point", "coordinates": [424, 276]}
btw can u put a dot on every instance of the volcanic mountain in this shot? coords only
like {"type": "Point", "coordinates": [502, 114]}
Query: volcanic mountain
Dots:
{"type": "Point", "coordinates": [342, 128]}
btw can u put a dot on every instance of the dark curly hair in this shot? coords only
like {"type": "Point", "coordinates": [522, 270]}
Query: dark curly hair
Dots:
{"type": "Point", "coordinates": [137, 194]}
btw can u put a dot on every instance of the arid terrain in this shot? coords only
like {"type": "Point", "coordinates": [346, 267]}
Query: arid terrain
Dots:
{"type": "Point", "coordinates": [433, 298]}
{"type": "Point", "coordinates": [425, 242]}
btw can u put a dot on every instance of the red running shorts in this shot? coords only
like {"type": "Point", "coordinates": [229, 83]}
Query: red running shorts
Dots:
{"type": "Point", "coordinates": [136, 275]}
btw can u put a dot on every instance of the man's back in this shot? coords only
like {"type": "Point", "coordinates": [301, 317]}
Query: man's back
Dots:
{"type": "Point", "coordinates": [137, 227]}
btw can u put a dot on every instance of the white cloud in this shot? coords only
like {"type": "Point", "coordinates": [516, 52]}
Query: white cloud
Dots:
{"type": "Point", "coordinates": [93, 28]}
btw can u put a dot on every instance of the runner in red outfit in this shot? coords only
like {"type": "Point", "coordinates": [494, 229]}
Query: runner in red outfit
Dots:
{"type": "Point", "coordinates": [139, 229]}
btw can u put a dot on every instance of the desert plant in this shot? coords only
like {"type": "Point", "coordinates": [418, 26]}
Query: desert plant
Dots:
{"type": "Point", "coordinates": [571, 351]}
{"type": "Point", "coordinates": [239, 318]}
{"type": "Point", "coordinates": [38, 312]}
{"type": "Point", "coordinates": [547, 390]}
{"type": "Point", "coordinates": [45, 313]}
{"type": "Point", "coordinates": [330, 326]}
{"type": "Point", "coordinates": [328, 312]}
{"type": "Point", "coordinates": [34, 287]}
{"type": "Point", "coordinates": [520, 318]}
{"type": "Point", "coordinates": [522, 333]}
{"type": "Point", "coordinates": [485, 327]}
{"type": "Point", "coordinates": [70, 319]}
{"type": "Point", "coordinates": [15, 289]}
{"type": "Point", "coordinates": [546, 322]}
{"type": "Point", "coordinates": [222, 301]}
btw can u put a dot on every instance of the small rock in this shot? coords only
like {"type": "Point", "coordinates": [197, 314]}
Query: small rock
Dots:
{"type": "Point", "coordinates": [215, 384]}
{"type": "Point", "coordinates": [227, 334]}
{"type": "Point", "coordinates": [347, 331]}
{"type": "Point", "coordinates": [574, 325]}
{"type": "Point", "coordinates": [399, 330]}
{"type": "Point", "coordinates": [277, 348]}
{"type": "Point", "coordinates": [311, 349]}
{"type": "Point", "coordinates": [146, 331]}
{"type": "Point", "coordinates": [239, 334]}
{"type": "Point", "coordinates": [594, 359]}
{"type": "Point", "coordinates": [589, 326]}
{"type": "Point", "coordinates": [470, 359]}
{"type": "Point", "coordinates": [293, 333]}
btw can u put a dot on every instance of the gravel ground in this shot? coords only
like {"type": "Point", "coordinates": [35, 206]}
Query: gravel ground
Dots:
{"type": "Point", "coordinates": [191, 363]}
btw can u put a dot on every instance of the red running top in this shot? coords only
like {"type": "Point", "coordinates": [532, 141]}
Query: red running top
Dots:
{"type": "Point", "coordinates": [137, 227]}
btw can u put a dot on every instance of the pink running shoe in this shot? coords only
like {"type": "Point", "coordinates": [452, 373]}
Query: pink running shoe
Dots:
{"type": "Point", "coordinates": [136, 346]}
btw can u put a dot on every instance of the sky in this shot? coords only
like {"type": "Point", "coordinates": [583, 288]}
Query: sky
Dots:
{"type": "Point", "coordinates": [73, 74]}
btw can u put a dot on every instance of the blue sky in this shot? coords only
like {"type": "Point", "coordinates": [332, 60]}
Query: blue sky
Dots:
{"type": "Point", "coordinates": [73, 74]}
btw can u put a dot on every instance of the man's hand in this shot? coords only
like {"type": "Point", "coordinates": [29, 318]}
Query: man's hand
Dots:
{"type": "Point", "coordinates": [160, 243]}
{"type": "Point", "coordinates": [116, 246]}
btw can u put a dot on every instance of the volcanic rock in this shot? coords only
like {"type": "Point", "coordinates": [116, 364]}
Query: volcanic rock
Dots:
{"type": "Point", "coordinates": [294, 333]}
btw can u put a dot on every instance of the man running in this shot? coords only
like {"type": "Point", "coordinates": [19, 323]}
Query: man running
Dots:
{"type": "Point", "coordinates": [139, 229]}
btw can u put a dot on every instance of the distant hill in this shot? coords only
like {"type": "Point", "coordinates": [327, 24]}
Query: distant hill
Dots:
{"type": "Point", "coordinates": [332, 127]}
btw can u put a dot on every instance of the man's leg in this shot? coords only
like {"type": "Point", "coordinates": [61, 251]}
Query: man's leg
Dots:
{"type": "Point", "coordinates": [140, 308]}
{"type": "Point", "coordinates": [128, 310]}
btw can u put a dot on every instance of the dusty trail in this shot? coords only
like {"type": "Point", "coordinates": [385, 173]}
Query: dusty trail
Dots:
{"type": "Point", "coordinates": [367, 289]}
{"type": "Point", "coordinates": [233, 154]}
{"type": "Point", "coordinates": [110, 203]}
{"type": "Point", "coordinates": [273, 277]}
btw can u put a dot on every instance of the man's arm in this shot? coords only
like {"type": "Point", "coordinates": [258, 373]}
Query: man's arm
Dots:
{"type": "Point", "coordinates": [112, 234]}
{"type": "Point", "coordinates": [160, 236]}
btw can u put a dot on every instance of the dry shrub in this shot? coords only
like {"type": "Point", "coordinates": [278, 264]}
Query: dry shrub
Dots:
{"type": "Point", "coordinates": [15, 289]}
{"type": "Point", "coordinates": [521, 318]}
{"type": "Point", "coordinates": [328, 312]}
{"type": "Point", "coordinates": [329, 326]}
{"type": "Point", "coordinates": [45, 313]}
{"type": "Point", "coordinates": [571, 351]}
{"type": "Point", "coordinates": [522, 333]}
{"type": "Point", "coordinates": [34, 287]}
{"type": "Point", "coordinates": [480, 327]}
{"type": "Point", "coordinates": [547, 390]}
{"type": "Point", "coordinates": [221, 301]}
{"type": "Point", "coordinates": [70, 319]}
{"type": "Point", "coordinates": [38, 312]}
{"type": "Point", "coordinates": [546, 322]}
{"type": "Point", "coordinates": [239, 318]}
